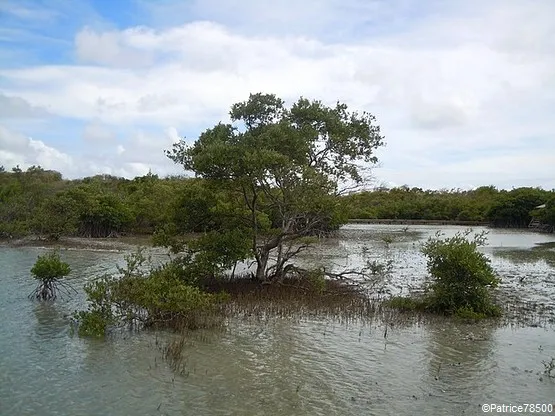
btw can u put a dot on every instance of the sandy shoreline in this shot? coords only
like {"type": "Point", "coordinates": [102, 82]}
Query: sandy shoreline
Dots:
{"type": "Point", "coordinates": [80, 243]}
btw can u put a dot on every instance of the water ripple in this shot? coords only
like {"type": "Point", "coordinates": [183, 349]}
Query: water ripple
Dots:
{"type": "Point", "coordinates": [276, 366]}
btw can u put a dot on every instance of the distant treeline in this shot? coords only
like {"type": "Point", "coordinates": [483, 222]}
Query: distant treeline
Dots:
{"type": "Point", "coordinates": [500, 208]}
{"type": "Point", "coordinates": [40, 202]}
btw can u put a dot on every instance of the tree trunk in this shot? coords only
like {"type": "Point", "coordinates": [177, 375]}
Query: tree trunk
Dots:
{"type": "Point", "coordinates": [233, 271]}
{"type": "Point", "coordinates": [261, 265]}
{"type": "Point", "coordinates": [279, 263]}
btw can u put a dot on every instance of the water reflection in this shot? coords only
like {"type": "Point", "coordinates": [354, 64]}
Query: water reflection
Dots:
{"type": "Point", "coordinates": [51, 322]}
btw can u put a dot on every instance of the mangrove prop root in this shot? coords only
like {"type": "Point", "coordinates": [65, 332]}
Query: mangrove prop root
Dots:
{"type": "Point", "coordinates": [51, 289]}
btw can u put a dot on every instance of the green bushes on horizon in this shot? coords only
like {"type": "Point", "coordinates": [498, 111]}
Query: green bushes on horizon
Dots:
{"type": "Point", "coordinates": [42, 203]}
{"type": "Point", "coordinates": [501, 208]}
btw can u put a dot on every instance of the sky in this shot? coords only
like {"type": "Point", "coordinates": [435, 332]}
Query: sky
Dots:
{"type": "Point", "coordinates": [463, 90]}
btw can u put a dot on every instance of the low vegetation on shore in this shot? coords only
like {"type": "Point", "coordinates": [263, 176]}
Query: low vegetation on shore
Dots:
{"type": "Point", "coordinates": [180, 296]}
{"type": "Point", "coordinates": [183, 295]}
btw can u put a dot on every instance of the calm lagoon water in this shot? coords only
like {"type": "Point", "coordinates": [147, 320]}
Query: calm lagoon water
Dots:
{"type": "Point", "coordinates": [279, 366]}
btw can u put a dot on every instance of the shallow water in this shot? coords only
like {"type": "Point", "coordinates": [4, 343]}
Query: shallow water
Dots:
{"type": "Point", "coordinates": [279, 366]}
{"type": "Point", "coordinates": [522, 259]}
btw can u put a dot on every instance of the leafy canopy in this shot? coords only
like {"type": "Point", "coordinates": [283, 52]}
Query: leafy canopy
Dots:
{"type": "Point", "coordinates": [274, 141]}
{"type": "Point", "coordinates": [277, 171]}
{"type": "Point", "coordinates": [50, 267]}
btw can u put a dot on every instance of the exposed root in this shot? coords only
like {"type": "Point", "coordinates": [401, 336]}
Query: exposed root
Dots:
{"type": "Point", "coordinates": [49, 290]}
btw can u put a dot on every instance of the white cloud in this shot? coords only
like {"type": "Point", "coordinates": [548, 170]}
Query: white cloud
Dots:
{"type": "Point", "coordinates": [48, 156]}
{"type": "Point", "coordinates": [18, 108]}
{"type": "Point", "coordinates": [433, 116]}
{"type": "Point", "coordinates": [143, 153]}
{"type": "Point", "coordinates": [201, 68]}
{"type": "Point", "coordinates": [148, 147]}
{"type": "Point", "coordinates": [173, 135]}
{"type": "Point", "coordinates": [505, 171]}
{"type": "Point", "coordinates": [140, 152]}
{"type": "Point", "coordinates": [17, 149]}
{"type": "Point", "coordinates": [109, 48]}
{"type": "Point", "coordinates": [27, 12]}
{"type": "Point", "coordinates": [336, 19]}
{"type": "Point", "coordinates": [468, 78]}
{"type": "Point", "coordinates": [96, 131]}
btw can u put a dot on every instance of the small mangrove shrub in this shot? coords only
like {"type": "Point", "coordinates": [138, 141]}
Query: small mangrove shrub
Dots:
{"type": "Point", "coordinates": [49, 269]}
{"type": "Point", "coordinates": [388, 239]}
{"type": "Point", "coordinates": [317, 280]}
{"type": "Point", "coordinates": [460, 279]}
{"type": "Point", "coordinates": [380, 268]}
{"type": "Point", "coordinates": [461, 276]}
{"type": "Point", "coordinates": [376, 267]}
{"type": "Point", "coordinates": [141, 297]}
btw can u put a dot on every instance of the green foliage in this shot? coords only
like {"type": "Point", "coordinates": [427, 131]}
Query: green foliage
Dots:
{"type": "Point", "coordinates": [101, 214]}
{"type": "Point", "coordinates": [468, 314]}
{"type": "Point", "coordinates": [219, 251]}
{"type": "Point", "coordinates": [39, 202]}
{"type": "Point", "coordinates": [55, 216]}
{"type": "Point", "coordinates": [21, 193]}
{"type": "Point", "coordinates": [195, 208]}
{"type": "Point", "coordinates": [513, 209]}
{"type": "Point", "coordinates": [499, 207]}
{"type": "Point", "coordinates": [146, 296]}
{"type": "Point", "coordinates": [405, 303]}
{"type": "Point", "coordinates": [166, 235]}
{"type": "Point", "coordinates": [151, 201]}
{"type": "Point", "coordinates": [13, 230]}
{"type": "Point", "coordinates": [317, 280]}
{"type": "Point", "coordinates": [461, 276]}
{"type": "Point", "coordinates": [547, 214]}
{"type": "Point", "coordinates": [274, 177]}
{"type": "Point", "coordinates": [49, 269]}
{"type": "Point", "coordinates": [94, 323]}
{"type": "Point", "coordinates": [417, 204]}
